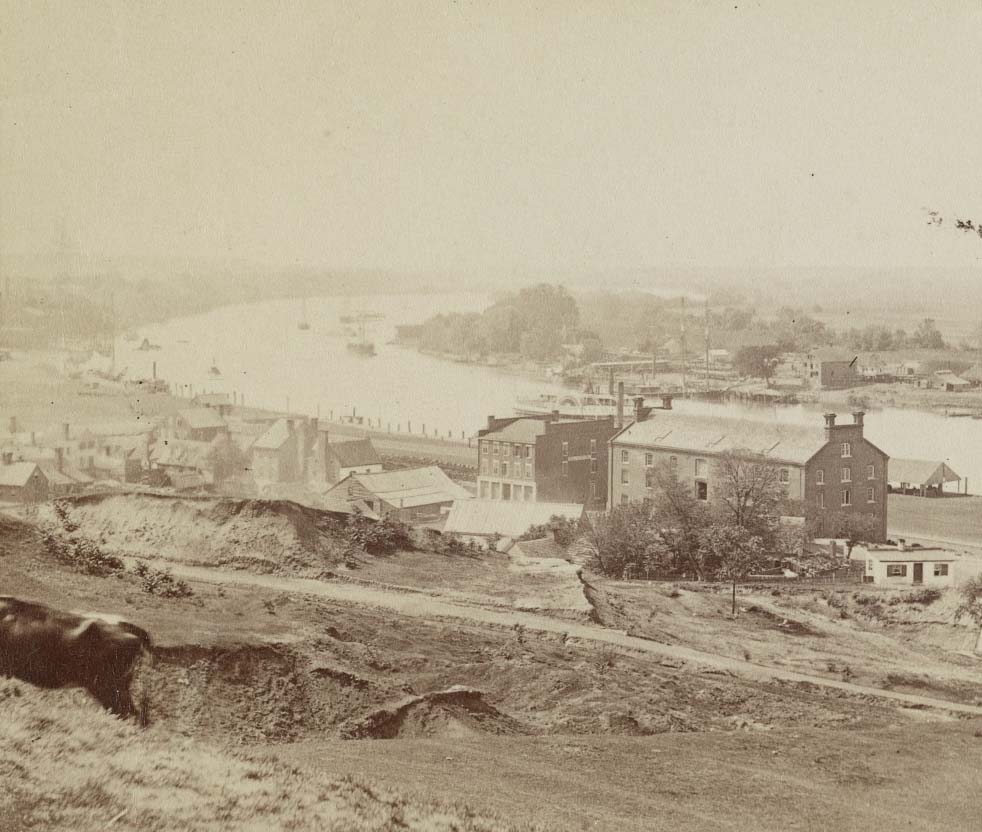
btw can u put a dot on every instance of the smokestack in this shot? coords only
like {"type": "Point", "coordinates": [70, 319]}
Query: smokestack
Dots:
{"type": "Point", "coordinates": [829, 425]}
{"type": "Point", "coordinates": [66, 431]}
{"type": "Point", "coordinates": [640, 411]}
{"type": "Point", "coordinates": [666, 402]}
{"type": "Point", "coordinates": [60, 458]}
{"type": "Point", "coordinates": [34, 438]}
{"type": "Point", "coordinates": [610, 384]}
{"type": "Point", "coordinates": [857, 418]}
{"type": "Point", "coordinates": [154, 370]}
{"type": "Point", "coordinates": [620, 405]}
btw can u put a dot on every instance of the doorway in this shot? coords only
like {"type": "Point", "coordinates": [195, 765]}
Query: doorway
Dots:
{"type": "Point", "coordinates": [918, 573]}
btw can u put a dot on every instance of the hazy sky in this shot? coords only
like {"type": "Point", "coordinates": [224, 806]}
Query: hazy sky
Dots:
{"type": "Point", "coordinates": [498, 134]}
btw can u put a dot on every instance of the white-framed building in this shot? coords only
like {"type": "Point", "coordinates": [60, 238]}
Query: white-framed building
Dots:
{"type": "Point", "coordinates": [907, 565]}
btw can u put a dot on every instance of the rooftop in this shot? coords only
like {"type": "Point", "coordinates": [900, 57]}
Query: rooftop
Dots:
{"type": "Point", "coordinates": [18, 473]}
{"type": "Point", "coordinates": [521, 430]}
{"type": "Point", "coordinates": [354, 453]}
{"type": "Point", "coordinates": [411, 487]}
{"type": "Point", "coordinates": [717, 434]}
{"type": "Point", "coordinates": [512, 519]}
{"type": "Point", "coordinates": [274, 438]}
{"type": "Point", "coordinates": [920, 472]}
{"type": "Point", "coordinates": [202, 418]}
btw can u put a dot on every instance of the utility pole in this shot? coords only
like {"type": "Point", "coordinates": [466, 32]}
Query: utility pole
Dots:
{"type": "Point", "coordinates": [683, 347]}
{"type": "Point", "coordinates": [707, 343]}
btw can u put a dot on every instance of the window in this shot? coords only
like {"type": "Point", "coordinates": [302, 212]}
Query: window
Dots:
{"type": "Point", "coordinates": [846, 475]}
{"type": "Point", "coordinates": [673, 461]}
{"type": "Point", "coordinates": [870, 495]}
{"type": "Point", "coordinates": [625, 476]}
{"type": "Point", "coordinates": [528, 493]}
{"type": "Point", "coordinates": [870, 472]}
{"type": "Point", "coordinates": [625, 457]}
{"type": "Point", "coordinates": [593, 446]}
{"type": "Point", "coordinates": [896, 570]}
{"type": "Point", "coordinates": [700, 467]}
{"type": "Point", "coordinates": [496, 468]}
{"type": "Point", "coordinates": [496, 446]}
{"type": "Point", "coordinates": [940, 570]}
{"type": "Point", "coordinates": [702, 491]}
{"type": "Point", "coordinates": [624, 499]}
{"type": "Point", "coordinates": [649, 478]}
{"type": "Point", "coordinates": [820, 477]}
{"type": "Point", "coordinates": [485, 447]}
{"type": "Point", "coordinates": [846, 498]}
{"type": "Point", "coordinates": [785, 476]}
{"type": "Point", "coordinates": [565, 448]}
{"type": "Point", "coordinates": [528, 470]}
{"type": "Point", "coordinates": [517, 451]}
{"type": "Point", "coordinates": [593, 466]}
{"type": "Point", "coordinates": [504, 469]}
{"type": "Point", "coordinates": [506, 449]}
{"type": "Point", "coordinates": [821, 499]}
{"type": "Point", "coordinates": [593, 489]}
{"type": "Point", "coordinates": [846, 450]}
{"type": "Point", "coordinates": [565, 468]}
{"type": "Point", "coordinates": [484, 466]}
{"type": "Point", "coordinates": [649, 460]}
{"type": "Point", "coordinates": [528, 451]}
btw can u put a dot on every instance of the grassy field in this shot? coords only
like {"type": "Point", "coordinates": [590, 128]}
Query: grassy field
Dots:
{"type": "Point", "coordinates": [941, 518]}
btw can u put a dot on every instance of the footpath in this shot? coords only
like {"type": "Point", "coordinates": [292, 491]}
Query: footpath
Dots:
{"type": "Point", "coordinates": [423, 606]}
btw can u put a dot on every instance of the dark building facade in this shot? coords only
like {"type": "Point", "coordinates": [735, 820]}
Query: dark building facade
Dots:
{"type": "Point", "coordinates": [545, 459]}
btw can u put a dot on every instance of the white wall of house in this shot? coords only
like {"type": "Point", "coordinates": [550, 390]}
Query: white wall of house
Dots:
{"type": "Point", "coordinates": [901, 573]}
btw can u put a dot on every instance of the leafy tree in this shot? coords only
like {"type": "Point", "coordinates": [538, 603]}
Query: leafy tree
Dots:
{"type": "Point", "coordinates": [226, 459]}
{"type": "Point", "coordinates": [562, 529]}
{"type": "Point", "coordinates": [927, 336]}
{"type": "Point", "coordinates": [759, 361]}
{"type": "Point", "coordinates": [749, 491]}
{"type": "Point", "coordinates": [971, 606]}
{"type": "Point", "coordinates": [855, 528]}
{"type": "Point", "coordinates": [681, 518]}
{"type": "Point", "coordinates": [734, 550]}
{"type": "Point", "coordinates": [624, 540]}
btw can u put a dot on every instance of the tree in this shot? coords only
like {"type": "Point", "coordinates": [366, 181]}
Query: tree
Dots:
{"type": "Point", "coordinates": [855, 528]}
{"type": "Point", "coordinates": [734, 550]}
{"type": "Point", "coordinates": [749, 491]}
{"type": "Point", "coordinates": [971, 606]}
{"type": "Point", "coordinates": [563, 530]}
{"type": "Point", "coordinates": [927, 336]}
{"type": "Point", "coordinates": [758, 362]}
{"type": "Point", "coordinates": [681, 518]}
{"type": "Point", "coordinates": [623, 541]}
{"type": "Point", "coordinates": [226, 459]}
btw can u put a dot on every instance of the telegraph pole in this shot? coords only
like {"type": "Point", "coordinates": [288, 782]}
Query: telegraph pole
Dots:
{"type": "Point", "coordinates": [707, 343]}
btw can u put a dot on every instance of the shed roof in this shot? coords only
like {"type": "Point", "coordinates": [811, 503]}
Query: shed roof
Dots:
{"type": "Point", "coordinates": [920, 472]}
{"type": "Point", "coordinates": [912, 555]}
{"type": "Point", "coordinates": [487, 517]}
{"type": "Point", "coordinates": [18, 473]}
{"type": "Point", "coordinates": [354, 453]}
{"type": "Point", "coordinates": [202, 418]}
{"type": "Point", "coordinates": [712, 435]}
{"type": "Point", "coordinates": [412, 487]}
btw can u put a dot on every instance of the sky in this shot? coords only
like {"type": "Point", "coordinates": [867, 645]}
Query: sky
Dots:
{"type": "Point", "coordinates": [494, 135]}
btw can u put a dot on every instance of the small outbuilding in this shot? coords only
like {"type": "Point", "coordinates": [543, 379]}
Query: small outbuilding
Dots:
{"type": "Point", "coordinates": [903, 565]}
{"type": "Point", "coordinates": [410, 494]}
{"type": "Point", "coordinates": [357, 456]}
{"type": "Point", "coordinates": [23, 482]}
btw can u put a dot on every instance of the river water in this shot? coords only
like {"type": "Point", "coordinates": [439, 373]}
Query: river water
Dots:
{"type": "Point", "coordinates": [263, 355]}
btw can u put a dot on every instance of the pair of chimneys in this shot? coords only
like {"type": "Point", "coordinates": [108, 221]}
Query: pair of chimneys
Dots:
{"type": "Point", "coordinates": [641, 412]}
{"type": "Point", "coordinates": [830, 425]}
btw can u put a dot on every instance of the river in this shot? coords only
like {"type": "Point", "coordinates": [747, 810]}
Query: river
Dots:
{"type": "Point", "coordinates": [264, 356]}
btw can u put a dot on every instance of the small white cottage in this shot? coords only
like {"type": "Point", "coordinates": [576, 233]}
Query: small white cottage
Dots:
{"type": "Point", "coordinates": [907, 565]}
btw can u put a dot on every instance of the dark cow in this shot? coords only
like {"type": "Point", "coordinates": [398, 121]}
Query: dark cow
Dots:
{"type": "Point", "coordinates": [54, 649]}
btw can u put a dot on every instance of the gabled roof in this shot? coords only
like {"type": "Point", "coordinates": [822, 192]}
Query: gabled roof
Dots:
{"type": "Point", "coordinates": [274, 438]}
{"type": "Point", "coordinates": [521, 430]}
{"type": "Point", "coordinates": [711, 435]}
{"type": "Point", "coordinates": [18, 473]}
{"type": "Point", "coordinates": [411, 487]}
{"type": "Point", "coordinates": [920, 472]}
{"type": "Point", "coordinates": [512, 519]}
{"type": "Point", "coordinates": [202, 418]}
{"type": "Point", "coordinates": [354, 453]}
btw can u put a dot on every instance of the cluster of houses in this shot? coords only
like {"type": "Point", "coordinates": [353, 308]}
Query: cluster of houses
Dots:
{"type": "Point", "coordinates": [830, 368]}
{"type": "Point", "coordinates": [529, 469]}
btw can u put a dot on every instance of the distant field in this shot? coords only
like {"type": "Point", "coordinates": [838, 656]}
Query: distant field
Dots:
{"type": "Point", "coordinates": [948, 518]}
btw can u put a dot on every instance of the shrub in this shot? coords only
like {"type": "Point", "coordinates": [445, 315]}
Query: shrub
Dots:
{"type": "Point", "coordinates": [160, 582]}
{"type": "Point", "coordinates": [925, 596]}
{"type": "Point", "coordinates": [378, 537]}
{"type": "Point", "coordinates": [82, 555]}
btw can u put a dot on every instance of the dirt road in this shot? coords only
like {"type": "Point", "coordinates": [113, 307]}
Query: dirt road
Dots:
{"type": "Point", "coordinates": [420, 605]}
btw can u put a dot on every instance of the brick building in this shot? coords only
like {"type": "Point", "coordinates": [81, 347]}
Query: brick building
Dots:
{"type": "Point", "coordinates": [829, 472]}
{"type": "Point", "coordinates": [545, 458]}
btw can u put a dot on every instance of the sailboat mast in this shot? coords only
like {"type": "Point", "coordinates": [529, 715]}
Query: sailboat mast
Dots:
{"type": "Point", "coordinates": [684, 361]}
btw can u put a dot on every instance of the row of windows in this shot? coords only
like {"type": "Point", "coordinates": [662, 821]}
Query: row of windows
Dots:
{"type": "Point", "coordinates": [593, 448]}
{"type": "Point", "coordinates": [899, 570]}
{"type": "Point", "coordinates": [507, 449]}
{"type": "Point", "coordinates": [845, 474]}
{"type": "Point", "coordinates": [846, 497]}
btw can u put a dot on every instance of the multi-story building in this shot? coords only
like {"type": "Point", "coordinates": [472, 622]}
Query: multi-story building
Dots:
{"type": "Point", "coordinates": [545, 459]}
{"type": "Point", "coordinates": [829, 473]}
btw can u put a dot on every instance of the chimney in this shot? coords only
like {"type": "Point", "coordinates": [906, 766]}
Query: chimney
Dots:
{"type": "Point", "coordinates": [154, 370]}
{"type": "Point", "coordinates": [491, 422]}
{"type": "Point", "coordinates": [34, 438]}
{"type": "Point", "coordinates": [640, 411]}
{"type": "Point", "coordinates": [8, 457]}
{"type": "Point", "coordinates": [66, 432]}
{"type": "Point", "coordinates": [13, 425]}
{"type": "Point", "coordinates": [620, 405]}
{"type": "Point", "coordinates": [902, 544]}
{"type": "Point", "coordinates": [60, 458]}
{"type": "Point", "coordinates": [666, 402]}
{"type": "Point", "coordinates": [829, 425]}
{"type": "Point", "coordinates": [857, 418]}
{"type": "Point", "coordinates": [555, 416]}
